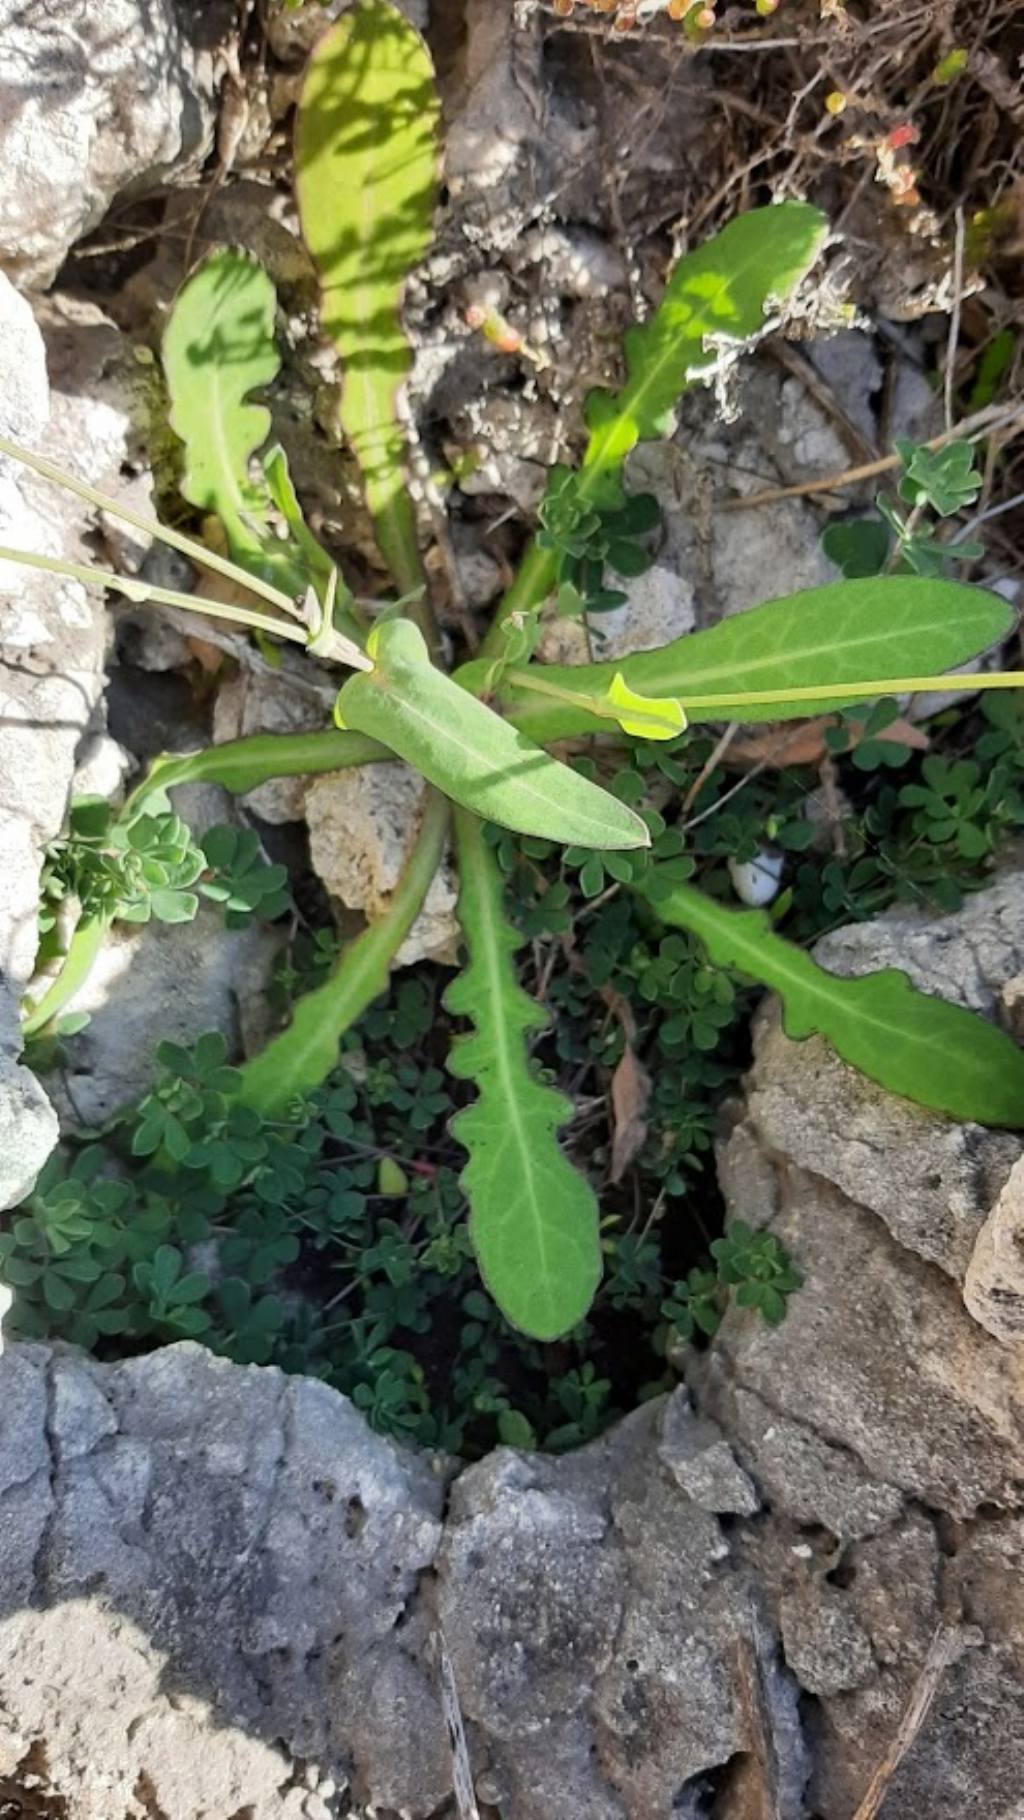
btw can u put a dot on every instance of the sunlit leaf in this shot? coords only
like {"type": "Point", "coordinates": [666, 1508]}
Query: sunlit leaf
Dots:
{"type": "Point", "coordinates": [242, 764]}
{"type": "Point", "coordinates": [718, 294]}
{"type": "Point", "coordinates": [366, 158]}
{"type": "Point", "coordinates": [218, 348]}
{"type": "Point", "coordinates": [473, 755]}
{"type": "Point", "coordinates": [882, 627]}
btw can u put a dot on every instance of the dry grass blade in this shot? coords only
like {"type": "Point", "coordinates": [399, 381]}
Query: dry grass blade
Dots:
{"type": "Point", "coordinates": [631, 1093]}
{"type": "Point", "coordinates": [993, 417]}
{"type": "Point", "coordinates": [946, 1647]}
{"type": "Point", "coordinates": [462, 1774]}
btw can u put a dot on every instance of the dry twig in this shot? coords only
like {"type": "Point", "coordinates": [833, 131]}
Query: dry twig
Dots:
{"type": "Point", "coordinates": [993, 417]}
{"type": "Point", "coordinates": [946, 1647]}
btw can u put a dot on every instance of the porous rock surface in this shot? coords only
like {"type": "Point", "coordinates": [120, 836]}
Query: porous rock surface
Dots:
{"type": "Point", "coordinates": [361, 823]}
{"type": "Point", "coordinates": [52, 639]}
{"type": "Point", "coordinates": [97, 97]}
{"type": "Point", "coordinates": [223, 1596]}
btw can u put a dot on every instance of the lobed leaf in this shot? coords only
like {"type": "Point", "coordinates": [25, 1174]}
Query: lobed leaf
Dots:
{"type": "Point", "coordinates": [473, 755]}
{"type": "Point", "coordinates": [218, 348]}
{"type": "Point", "coordinates": [932, 1052]}
{"type": "Point", "coordinates": [366, 158]}
{"type": "Point", "coordinates": [880, 627]}
{"type": "Point", "coordinates": [719, 292]}
{"type": "Point", "coordinates": [533, 1219]}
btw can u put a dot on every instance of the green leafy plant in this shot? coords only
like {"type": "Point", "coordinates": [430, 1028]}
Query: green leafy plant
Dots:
{"type": "Point", "coordinates": [942, 481]}
{"type": "Point", "coordinates": [366, 181]}
{"type": "Point", "coordinates": [752, 1268]}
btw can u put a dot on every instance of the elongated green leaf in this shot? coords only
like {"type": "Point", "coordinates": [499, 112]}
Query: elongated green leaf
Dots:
{"type": "Point", "coordinates": [303, 1055]}
{"type": "Point", "coordinates": [218, 348]}
{"type": "Point", "coordinates": [473, 755]}
{"type": "Point", "coordinates": [719, 292]}
{"type": "Point", "coordinates": [934, 1053]}
{"type": "Point", "coordinates": [366, 159]}
{"type": "Point", "coordinates": [853, 631]}
{"type": "Point", "coordinates": [533, 1218]}
{"type": "Point", "coordinates": [241, 764]}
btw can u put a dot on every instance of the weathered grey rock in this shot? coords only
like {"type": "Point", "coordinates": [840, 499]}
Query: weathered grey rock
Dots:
{"type": "Point", "coordinates": [495, 111]}
{"type": "Point", "coordinates": [253, 703]}
{"type": "Point", "coordinates": [660, 608]}
{"type": "Point", "coordinates": [360, 825]}
{"type": "Point", "coordinates": [155, 982]}
{"type": "Point", "coordinates": [994, 1284]}
{"type": "Point", "coordinates": [802, 1475]}
{"type": "Point", "coordinates": [292, 33]}
{"type": "Point", "coordinates": [97, 97]}
{"type": "Point", "coordinates": [825, 1646]}
{"type": "Point", "coordinates": [52, 637]}
{"type": "Point", "coordinates": [930, 1179]}
{"type": "Point", "coordinates": [701, 1461]}
{"type": "Point", "coordinates": [591, 1628]}
{"type": "Point", "coordinates": [28, 1123]}
{"type": "Point", "coordinates": [226, 1562]}
{"type": "Point", "coordinates": [878, 1354]}
{"type": "Point", "coordinates": [52, 633]}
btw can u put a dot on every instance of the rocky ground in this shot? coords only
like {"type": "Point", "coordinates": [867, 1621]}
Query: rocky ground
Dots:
{"type": "Point", "coordinates": [222, 1596]}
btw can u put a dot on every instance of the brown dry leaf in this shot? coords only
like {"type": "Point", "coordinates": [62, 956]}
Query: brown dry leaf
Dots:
{"type": "Point", "coordinates": [631, 1093]}
{"type": "Point", "coordinates": [805, 744]}
{"type": "Point", "coordinates": [209, 657]}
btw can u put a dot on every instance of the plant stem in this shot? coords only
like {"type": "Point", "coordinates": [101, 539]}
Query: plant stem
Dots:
{"type": "Point", "coordinates": [243, 764]}
{"type": "Point", "coordinates": [83, 948]}
{"type": "Point", "coordinates": [952, 683]}
{"type": "Point", "coordinates": [144, 591]}
{"type": "Point", "coordinates": [197, 552]}
{"type": "Point", "coordinates": [303, 1055]}
{"type": "Point", "coordinates": [534, 582]}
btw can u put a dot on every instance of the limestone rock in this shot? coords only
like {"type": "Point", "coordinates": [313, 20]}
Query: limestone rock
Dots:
{"type": "Point", "coordinates": [495, 113]}
{"type": "Point", "coordinates": [878, 1354]}
{"type": "Point", "coordinates": [225, 1560]}
{"type": "Point", "coordinates": [660, 608]}
{"type": "Point", "coordinates": [28, 1123]}
{"type": "Point", "coordinates": [994, 1284]}
{"type": "Point", "coordinates": [827, 1649]}
{"type": "Point", "coordinates": [292, 33]}
{"type": "Point", "coordinates": [931, 1180]}
{"type": "Point", "coordinates": [96, 99]}
{"type": "Point", "coordinates": [360, 825]}
{"type": "Point", "coordinates": [701, 1461]}
{"type": "Point", "coordinates": [156, 982]}
{"type": "Point", "coordinates": [51, 648]}
{"type": "Point", "coordinates": [254, 703]}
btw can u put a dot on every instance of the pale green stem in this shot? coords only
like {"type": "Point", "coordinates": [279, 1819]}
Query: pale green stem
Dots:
{"type": "Point", "coordinates": [233, 765]}
{"type": "Point", "coordinates": [534, 582]}
{"type": "Point", "coordinates": [78, 962]}
{"type": "Point", "coordinates": [150, 527]}
{"type": "Point", "coordinates": [955, 683]}
{"type": "Point", "coordinates": [599, 705]}
{"type": "Point", "coordinates": [143, 591]}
